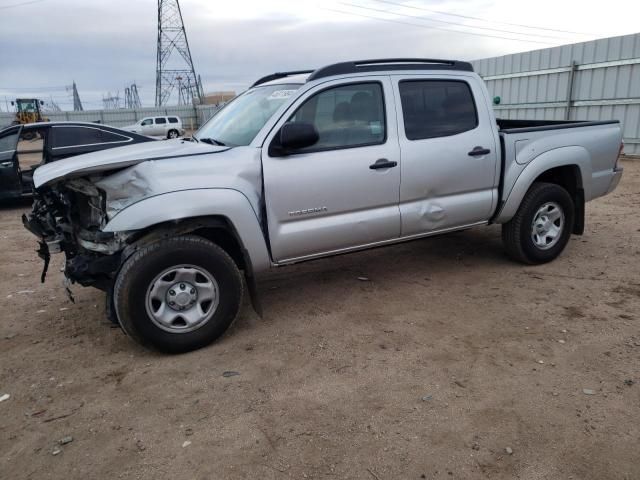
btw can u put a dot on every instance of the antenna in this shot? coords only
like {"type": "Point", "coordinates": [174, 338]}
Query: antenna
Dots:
{"type": "Point", "coordinates": [174, 66]}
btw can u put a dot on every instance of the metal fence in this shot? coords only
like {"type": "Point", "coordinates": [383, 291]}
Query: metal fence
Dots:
{"type": "Point", "coordinates": [192, 117]}
{"type": "Point", "coordinates": [596, 80]}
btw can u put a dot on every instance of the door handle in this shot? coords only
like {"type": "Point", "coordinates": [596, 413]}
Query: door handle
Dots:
{"type": "Point", "coordinates": [477, 151]}
{"type": "Point", "coordinates": [383, 163]}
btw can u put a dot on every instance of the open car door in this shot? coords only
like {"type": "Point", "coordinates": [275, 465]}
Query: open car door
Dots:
{"type": "Point", "coordinates": [10, 181]}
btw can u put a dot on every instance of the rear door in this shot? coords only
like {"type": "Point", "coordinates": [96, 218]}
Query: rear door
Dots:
{"type": "Point", "coordinates": [160, 126]}
{"type": "Point", "coordinates": [450, 153]}
{"type": "Point", "coordinates": [10, 183]}
{"type": "Point", "coordinates": [330, 197]}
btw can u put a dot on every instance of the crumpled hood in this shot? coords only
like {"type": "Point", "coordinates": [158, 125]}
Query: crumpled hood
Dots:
{"type": "Point", "coordinates": [115, 158]}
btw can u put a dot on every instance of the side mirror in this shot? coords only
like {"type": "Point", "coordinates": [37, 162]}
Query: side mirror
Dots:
{"type": "Point", "coordinates": [41, 102]}
{"type": "Point", "coordinates": [296, 135]}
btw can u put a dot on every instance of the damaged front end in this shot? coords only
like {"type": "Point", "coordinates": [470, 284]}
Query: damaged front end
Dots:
{"type": "Point", "coordinates": [68, 217]}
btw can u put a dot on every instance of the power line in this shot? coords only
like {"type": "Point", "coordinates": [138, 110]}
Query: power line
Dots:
{"type": "Point", "coordinates": [31, 89]}
{"type": "Point", "coordinates": [4, 7]}
{"type": "Point", "coordinates": [481, 19]}
{"type": "Point", "coordinates": [434, 28]}
{"type": "Point", "coordinates": [458, 24]}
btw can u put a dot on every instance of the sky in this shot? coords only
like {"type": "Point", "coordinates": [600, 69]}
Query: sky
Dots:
{"type": "Point", "coordinates": [106, 45]}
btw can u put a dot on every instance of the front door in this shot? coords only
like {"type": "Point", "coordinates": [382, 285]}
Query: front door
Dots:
{"type": "Point", "coordinates": [147, 127]}
{"type": "Point", "coordinates": [342, 192]}
{"type": "Point", "coordinates": [10, 183]}
{"type": "Point", "coordinates": [450, 153]}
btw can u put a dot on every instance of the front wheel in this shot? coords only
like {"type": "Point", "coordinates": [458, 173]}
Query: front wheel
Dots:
{"type": "Point", "coordinates": [173, 134]}
{"type": "Point", "coordinates": [540, 229]}
{"type": "Point", "coordinates": [178, 294]}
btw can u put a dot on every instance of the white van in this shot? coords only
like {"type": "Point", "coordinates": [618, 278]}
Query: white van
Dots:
{"type": "Point", "coordinates": [167, 127]}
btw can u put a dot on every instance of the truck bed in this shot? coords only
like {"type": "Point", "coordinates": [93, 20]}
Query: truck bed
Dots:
{"type": "Point", "coordinates": [590, 147]}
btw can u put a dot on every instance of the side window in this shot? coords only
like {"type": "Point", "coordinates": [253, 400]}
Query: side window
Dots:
{"type": "Point", "coordinates": [161, 120]}
{"type": "Point", "coordinates": [345, 116]}
{"type": "Point", "coordinates": [112, 137]}
{"type": "Point", "coordinates": [147, 121]}
{"type": "Point", "coordinates": [75, 136]}
{"type": "Point", "coordinates": [437, 108]}
{"type": "Point", "coordinates": [72, 136]}
{"type": "Point", "coordinates": [9, 142]}
{"type": "Point", "coordinates": [173, 120]}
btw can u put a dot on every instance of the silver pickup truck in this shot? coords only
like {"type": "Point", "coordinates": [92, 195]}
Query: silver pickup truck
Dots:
{"type": "Point", "coordinates": [305, 165]}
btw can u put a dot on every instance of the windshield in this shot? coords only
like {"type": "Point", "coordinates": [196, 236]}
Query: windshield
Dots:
{"type": "Point", "coordinates": [239, 122]}
{"type": "Point", "coordinates": [26, 106]}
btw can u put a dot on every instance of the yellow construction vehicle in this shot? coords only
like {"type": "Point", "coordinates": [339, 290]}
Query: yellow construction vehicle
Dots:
{"type": "Point", "coordinates": [28, 111]}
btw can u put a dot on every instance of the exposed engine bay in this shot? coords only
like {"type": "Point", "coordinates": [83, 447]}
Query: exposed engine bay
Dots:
{"type": "Point", "coordinates": [68, 217]}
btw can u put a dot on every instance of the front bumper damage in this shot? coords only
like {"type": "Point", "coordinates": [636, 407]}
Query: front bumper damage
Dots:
{"type": "Point", "coordinates": [67, 218]}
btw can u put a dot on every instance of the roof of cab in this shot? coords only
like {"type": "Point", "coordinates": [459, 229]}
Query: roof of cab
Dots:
{"type": "Point", "coordinates": [359, 66]}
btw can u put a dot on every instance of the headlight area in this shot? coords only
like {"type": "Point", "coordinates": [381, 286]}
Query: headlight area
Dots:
{"type": "Point", "coordinates": [68, 217]}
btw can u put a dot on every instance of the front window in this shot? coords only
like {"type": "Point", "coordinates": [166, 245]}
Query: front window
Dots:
{"type": "Point", "coordinates": [239, 122]}
{"type": "Point", "coordinates": [345, 116]}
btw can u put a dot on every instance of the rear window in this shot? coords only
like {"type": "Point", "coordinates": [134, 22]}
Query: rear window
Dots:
{"type": "Point", "coordinates": [173, 120]}
{"type": "Point", "coordinates": [161, 120]}
{"type": "Point", "coordinates": [76, 136]}
{"type": "Point", "coordinates": [437, 108]}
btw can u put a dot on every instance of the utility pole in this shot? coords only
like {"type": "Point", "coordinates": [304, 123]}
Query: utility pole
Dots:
{"type": "Point", "coordinates": [174, 57]}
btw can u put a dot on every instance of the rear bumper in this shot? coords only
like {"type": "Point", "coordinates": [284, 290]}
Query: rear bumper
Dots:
{"type": "Point", "coordinates": [615, 179]}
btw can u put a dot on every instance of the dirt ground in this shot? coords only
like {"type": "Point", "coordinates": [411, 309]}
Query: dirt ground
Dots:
{"type": "Point", "coordinates": [447, 356]}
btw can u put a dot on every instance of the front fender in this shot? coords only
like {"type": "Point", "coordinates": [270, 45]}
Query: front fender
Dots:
{"type": "Point", "coordinates": [558, 157]}
{"type": "Point", "coordinates": [185, 204]}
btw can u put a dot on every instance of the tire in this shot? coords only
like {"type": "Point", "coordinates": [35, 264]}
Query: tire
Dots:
{"type": "Point", "coordinates": [150, 280]}
{"type": "Point", "coordinates": [110, 309]}
{"type": "Point", "coordinates": [549, 205]}
{"type": "Point", "coordinates": [173, 134]}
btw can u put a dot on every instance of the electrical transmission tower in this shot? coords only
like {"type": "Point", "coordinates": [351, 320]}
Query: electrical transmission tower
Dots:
{"type": "Point", "coordinates": [174, 67]}
{"type": "Point", "coordinates": [52, 106]}
{"type": "Point", "coordinates": [77, 104]}
{"type": "Point", "coordinates": [111, 102]}
{"type": "Point", "coordinates": [131, 97]}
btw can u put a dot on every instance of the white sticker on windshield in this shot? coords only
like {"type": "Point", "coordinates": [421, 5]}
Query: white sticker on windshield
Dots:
{"type": "Point", "coordinates": [281, 94]}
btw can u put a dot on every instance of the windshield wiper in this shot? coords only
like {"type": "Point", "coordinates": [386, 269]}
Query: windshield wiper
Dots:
{"type": "Point", "coordinates": [213, 141]}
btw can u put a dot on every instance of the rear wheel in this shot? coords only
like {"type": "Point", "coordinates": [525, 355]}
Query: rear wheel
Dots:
{"type": "Point", "coordinates": [178, 294]}
{"type": "Point", "coordinates": [173, 134]}
{"type": "Point", "coordinates": [540, 229]}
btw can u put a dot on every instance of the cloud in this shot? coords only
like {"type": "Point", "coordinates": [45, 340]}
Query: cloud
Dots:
{"type": "Point", "coordinates": [105, 45]}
